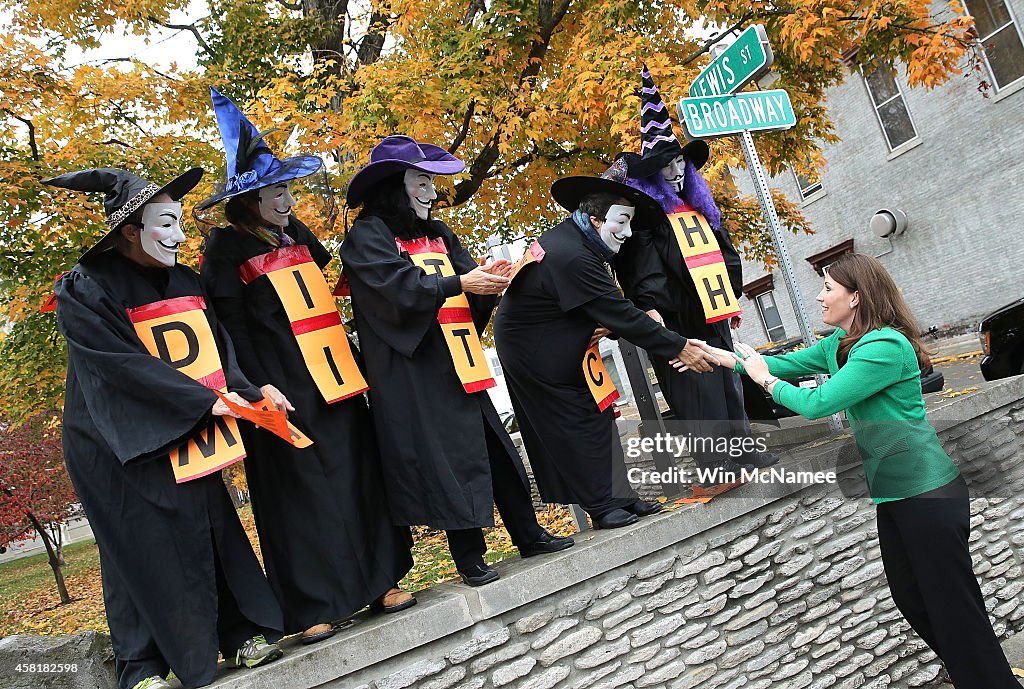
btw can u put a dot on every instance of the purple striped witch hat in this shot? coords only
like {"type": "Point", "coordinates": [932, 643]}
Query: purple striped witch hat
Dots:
{"type": "Point", "coordinates": [659, 144]}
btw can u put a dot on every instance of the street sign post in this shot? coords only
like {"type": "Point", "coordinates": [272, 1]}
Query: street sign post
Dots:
{"type": "Point", "coordinates": [752, 111]}
{"type": "Point", "coordinates": [746, 59]}
{"type": "Point", "coordinates": [712, 111]}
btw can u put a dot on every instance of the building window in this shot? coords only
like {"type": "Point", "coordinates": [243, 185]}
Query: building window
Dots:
{"type": "Point", "coordinates": [770, 316]}
{"type": "Point", "coordinates": [823, 259]}
{"type": "Point", "coordinates": [760, 291]}
{"type": "Point", "coordinates": [808, 185]}
{"type": "Point", "coordinates": [889, 106]}
{"type": "Point", "coordinates": [1000, 40]}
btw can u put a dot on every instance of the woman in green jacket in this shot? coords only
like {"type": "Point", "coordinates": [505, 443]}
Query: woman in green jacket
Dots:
{"type": "Point", "coordinates": [873, 359]}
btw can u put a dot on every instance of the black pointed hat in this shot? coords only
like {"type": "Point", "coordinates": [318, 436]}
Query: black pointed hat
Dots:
{"type": "Point", "coordinates": [125, 192]}
{"type": "Point", "coordinates": [659, 144]}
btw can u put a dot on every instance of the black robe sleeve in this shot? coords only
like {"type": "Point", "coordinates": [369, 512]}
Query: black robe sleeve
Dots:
{"type": "Point", "coordinates": [222, 283]}
{"type": "Point", "coordinates": [398, 299]}
{"type": "Point", "coordinates": [140, 405]}
{"type": "Point", "coordinates": [584, 283]}
{"type": "Point", "coordinates": [641, 272]}
{"type": "Point", "coordinates": [624, 319]}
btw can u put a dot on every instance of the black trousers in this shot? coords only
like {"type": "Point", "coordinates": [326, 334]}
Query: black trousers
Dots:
{"type": "Point", "coordinates": [514, 504]}
{"type": "Point", "coordinates": [928, 564]}
{"type": "Point", "coordinates": [137, 656]}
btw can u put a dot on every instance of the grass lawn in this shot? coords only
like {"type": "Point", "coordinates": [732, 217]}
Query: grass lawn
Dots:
{"type": "Point", "coordinates": [29, 603]}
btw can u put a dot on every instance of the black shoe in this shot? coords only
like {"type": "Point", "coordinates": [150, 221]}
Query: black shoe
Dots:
{"type": "Point", "coordinates": [547, 543]}
{"type": "Point", "coordinates": [759, 460]}
{"type": "Point", "coordinates": [642, 508]}
{"type": "Point", "coordinates": [614, 519]}
{"type": "Point", "coordinates": [478, 575]}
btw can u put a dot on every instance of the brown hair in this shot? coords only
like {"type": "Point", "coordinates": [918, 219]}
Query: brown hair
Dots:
{"type": "Point", "coordinates": [881, 304]}
{"type": "Point", "coordinates": [239, 211]}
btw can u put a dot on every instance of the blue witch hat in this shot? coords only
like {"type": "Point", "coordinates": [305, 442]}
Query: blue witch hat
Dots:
{"type": "Point", "coordinates": [250, 162]}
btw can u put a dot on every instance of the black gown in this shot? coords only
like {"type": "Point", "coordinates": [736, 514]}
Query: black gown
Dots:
{"type": "Point", "coordinates": [180, 579]}
{"type": "Point", "coordinates": [433, 434]}
{"type": "Point", "coordinates": [327, 540]}
{"type": "Point", "coordinates": [653, 275]}
{"type": "Point", "coordinates": [543, 326]}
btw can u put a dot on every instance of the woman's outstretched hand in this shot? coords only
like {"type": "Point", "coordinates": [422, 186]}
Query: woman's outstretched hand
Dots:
{"type": "Point", "coordinates": [753, 363]}
{"type": "Point", "coordinates": [722, 357]}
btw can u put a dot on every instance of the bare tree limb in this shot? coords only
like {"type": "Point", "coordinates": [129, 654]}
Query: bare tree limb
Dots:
{"type": "Point", "coordinates": [467, 120]}
{"type": "Point", "coordinates": [474, 8]}
{"type": "Point", "coordinates": [191, 28]}
{"type": "Point", "coordinates": [372, 43]}
{"type": "Point", "coordinates": [32, 145]}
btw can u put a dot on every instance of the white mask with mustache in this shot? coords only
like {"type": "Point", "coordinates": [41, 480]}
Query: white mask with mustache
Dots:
{"type": "Point", "coordinates": [420, 188]}
{"type": "Point", "coordinates": [675, 173]}
{"type": "Point", "coordinates": [615, 230]}
{"type": "Point", "coordinates": [161, 232]}
{"type": "Point", "coordinates": [276, 203]}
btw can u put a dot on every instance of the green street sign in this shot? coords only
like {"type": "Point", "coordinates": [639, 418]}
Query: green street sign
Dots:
{"type": "Point", "coordinates": [746, 59]}
{"type": "Point", "coordinates": [755, 111]}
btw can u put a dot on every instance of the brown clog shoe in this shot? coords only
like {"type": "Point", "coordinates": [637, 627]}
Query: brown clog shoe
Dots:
{"type": "Point", "coordinates": [318, 632]}
{"type": "Point", "coordinates": [393, 600]}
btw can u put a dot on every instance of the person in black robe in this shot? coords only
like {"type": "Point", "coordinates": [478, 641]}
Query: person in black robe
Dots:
{"type": "Point", "coordinates": [654, 275]}
{"type": "Point", "coordinates": [180, 579]}
{"type": "Point", "coordinates": [326, 536]}
{"type": "Point", "coordinates": [447, 458]}
{"type": "Point", "coordinates": [555, 308]}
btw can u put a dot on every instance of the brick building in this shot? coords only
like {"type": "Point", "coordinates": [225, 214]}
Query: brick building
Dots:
{"type": "Point", "coordinates": [950, 158]}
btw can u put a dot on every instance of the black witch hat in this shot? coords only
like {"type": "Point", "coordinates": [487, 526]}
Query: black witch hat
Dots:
{"type": "Point", "coordinates": [568, 192]}
{"type": "Point", "coordinates": [659, 144]}
{"type": "Point", "coordinates": [125, 192]}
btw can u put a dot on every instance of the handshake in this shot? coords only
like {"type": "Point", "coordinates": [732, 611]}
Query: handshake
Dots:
{"type": "Point", "coordinates": [699, 356]}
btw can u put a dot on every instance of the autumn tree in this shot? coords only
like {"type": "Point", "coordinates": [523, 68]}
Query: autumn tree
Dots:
{"type": "Point", "coordinates": [523, 90]}
{"type": "Point", "coordinates": [36, 495]}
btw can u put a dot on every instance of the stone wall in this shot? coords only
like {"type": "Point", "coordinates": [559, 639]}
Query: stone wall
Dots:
{"type": "Point", "coordinates": [773, 585]}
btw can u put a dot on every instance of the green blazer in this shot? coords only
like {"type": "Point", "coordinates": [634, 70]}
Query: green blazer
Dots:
{"type": "Point", "coordinates": [880, 390]}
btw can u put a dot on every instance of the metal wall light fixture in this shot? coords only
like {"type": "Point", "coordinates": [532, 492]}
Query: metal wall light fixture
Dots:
{"type": "Point", "coordinates": [887, 223]}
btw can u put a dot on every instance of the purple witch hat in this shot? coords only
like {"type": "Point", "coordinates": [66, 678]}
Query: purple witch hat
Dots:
{"type": "Point", "coordinates": [658, 143]}
{"type": "Point", "coordinates": [397, 153]}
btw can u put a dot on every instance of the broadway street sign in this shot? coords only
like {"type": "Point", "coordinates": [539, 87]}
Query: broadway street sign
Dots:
{"type": "Point", "coordinates": [755, 111]}
{"type": "Point", "coordinates": [747, 58]}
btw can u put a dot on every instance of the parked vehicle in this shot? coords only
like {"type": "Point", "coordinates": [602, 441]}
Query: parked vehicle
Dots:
{"type": "Point", "coordinates": [1002, 342]}
{"type": "Point", "coordinates": [931, 381]}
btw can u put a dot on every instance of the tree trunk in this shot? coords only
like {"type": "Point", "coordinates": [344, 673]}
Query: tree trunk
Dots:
{"type": "Point", "coordinates": [53, 558]}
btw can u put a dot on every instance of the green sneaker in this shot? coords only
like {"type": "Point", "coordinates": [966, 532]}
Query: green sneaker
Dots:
{"type": "Point", "coordinates": [153, 682]}
{"type": "Point", "coordinates": [256, 651]}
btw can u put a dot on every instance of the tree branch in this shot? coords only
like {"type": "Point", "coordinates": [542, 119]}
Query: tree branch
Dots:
{"type": "Point", "coordinates": [191, 28]}
{"type": "Point", "coordinates": [293, 6]}
{"type": "Point", "coordinates": [474, 8]}
{"type": "Point", "coordinates": [466, 121]}
{"type": "Point", "coordinates": [32, 145]}
{"type": "Point", "coordinates": [548, 18]}
{"type": "Point", "coordinates": [372, 43]}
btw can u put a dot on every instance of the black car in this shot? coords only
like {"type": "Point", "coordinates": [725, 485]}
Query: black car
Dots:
{"type": "Point", "coordinates": [1002, 341]}
{"type": "Point", "coordinates": [931, 381]}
